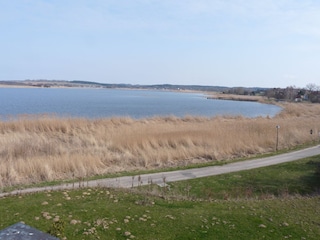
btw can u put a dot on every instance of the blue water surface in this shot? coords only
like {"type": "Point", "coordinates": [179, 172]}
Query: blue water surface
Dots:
{"type": "Point", "coordinates": [99, 103]}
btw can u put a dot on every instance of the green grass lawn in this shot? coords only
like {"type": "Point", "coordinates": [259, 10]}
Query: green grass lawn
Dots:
{"type": "Point", "coordinates": [278, 202]}
{"type": "Point", "coordinates": [297, 177]}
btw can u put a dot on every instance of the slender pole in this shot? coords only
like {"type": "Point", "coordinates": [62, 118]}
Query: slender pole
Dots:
{"type": "Point", "coordinates": [277, 143]}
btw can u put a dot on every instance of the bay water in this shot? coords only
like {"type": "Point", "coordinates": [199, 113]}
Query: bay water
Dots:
{"type": "Point", "coordinates": [100, 103]}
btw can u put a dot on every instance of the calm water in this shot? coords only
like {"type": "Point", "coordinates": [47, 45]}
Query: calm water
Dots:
{"type": "Point", "coordinates": [97, 103]}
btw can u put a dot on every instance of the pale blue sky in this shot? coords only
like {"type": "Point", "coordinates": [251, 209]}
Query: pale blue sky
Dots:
{"type": "Point", "coordinates": [264, 43]}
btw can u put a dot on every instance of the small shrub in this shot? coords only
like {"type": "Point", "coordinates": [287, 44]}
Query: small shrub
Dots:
{"type": "Point", "coordinates": [57, 228]}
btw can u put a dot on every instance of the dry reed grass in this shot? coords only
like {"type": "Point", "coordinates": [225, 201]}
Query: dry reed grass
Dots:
{"type": "Point", "coordinates": [223, 96]}
{"type": "Point", "coordinates": [48, 148]}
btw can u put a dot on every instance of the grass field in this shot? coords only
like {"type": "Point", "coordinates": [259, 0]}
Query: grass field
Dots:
{"type": "Point", "coordinates": [296, 178]}
{"type": "Point", "coordinates": [283, 203]}
{"type": "Point", "coordinates": [45, 148]}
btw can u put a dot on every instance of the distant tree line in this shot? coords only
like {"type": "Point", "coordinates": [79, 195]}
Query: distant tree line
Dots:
{"type": "Point", "coordinates": [310, 93]}
{"type": "Point", "coordinates": [245, 91]}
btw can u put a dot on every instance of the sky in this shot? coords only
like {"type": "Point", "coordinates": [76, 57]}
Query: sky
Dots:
{"type": "Point", "coordinates": [247, 43]}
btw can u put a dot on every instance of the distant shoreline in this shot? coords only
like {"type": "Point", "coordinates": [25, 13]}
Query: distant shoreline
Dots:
{"type": "Point", "coordinates": [234, 98]}
{"type": "Point", "coordinates": [14, 86]}
{"type": "Point", "coordinates": [163, 86]}
{"type": "Point", "coordinates": [209, 94]}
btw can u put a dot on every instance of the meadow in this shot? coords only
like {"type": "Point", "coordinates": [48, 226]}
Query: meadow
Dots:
{"type": "Point", "coordinates": [276, 202]}
{"type": "Point", "coordinates": [37, 149]}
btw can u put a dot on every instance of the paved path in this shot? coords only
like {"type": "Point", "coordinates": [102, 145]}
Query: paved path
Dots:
{"type": "Point", "coordinates": [165, 177]}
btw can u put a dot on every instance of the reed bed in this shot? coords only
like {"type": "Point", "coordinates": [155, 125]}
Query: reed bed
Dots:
{"type": "Point", "coordinates": [45, 148]}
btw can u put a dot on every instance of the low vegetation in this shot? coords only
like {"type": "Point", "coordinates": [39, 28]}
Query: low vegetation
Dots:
{"type": "Point", "coordinates": [277, 202]}
{"type": "Point", "coordinates": [46, 148]}
{"type": "Point", "coordinates": [300, 178]}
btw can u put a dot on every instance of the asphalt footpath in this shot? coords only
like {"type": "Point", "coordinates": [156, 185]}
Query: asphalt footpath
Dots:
{"type": "Point", "coordinates": [162, 178]}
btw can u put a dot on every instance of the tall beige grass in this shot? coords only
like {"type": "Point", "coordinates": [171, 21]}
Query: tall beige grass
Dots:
{"type": "Point", "coordinates": [49, 148]}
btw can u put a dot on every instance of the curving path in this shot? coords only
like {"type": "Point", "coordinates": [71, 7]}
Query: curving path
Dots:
{"type": "Point", "coordinates": [164, 177]}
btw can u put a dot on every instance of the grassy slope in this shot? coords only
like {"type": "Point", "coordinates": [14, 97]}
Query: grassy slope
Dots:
{"type": "Point", "coordinates": [109, 214]}
{"type": "Point", "coordinates": [269, 182]}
